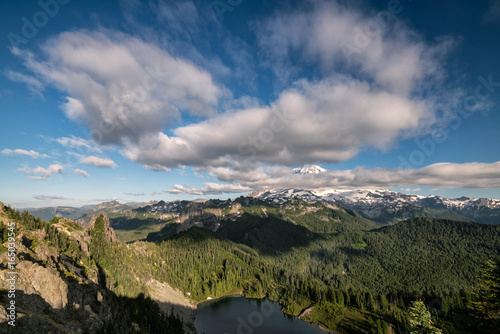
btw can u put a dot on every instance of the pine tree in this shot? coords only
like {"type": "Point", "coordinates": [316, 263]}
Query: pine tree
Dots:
{"type": "Point", "coordinates": [486, 294]}
{"type": "Point", "coordinates": [420, 320]}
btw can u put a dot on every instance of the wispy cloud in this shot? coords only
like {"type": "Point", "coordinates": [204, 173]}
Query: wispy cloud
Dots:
{"type": "Point", "coordinates": [493, 13]}
{"type": "Point", "coordinates": [81, 172]}
{"type": "Point", "coordinates": [78, 143]}
{"type": "Point", "coordinates": [49, 198]}
{"type": "Point", "coordinates": [40, 173]}
{"type": "Point", "coordinates": [94, 160]}
{"type": "Point", "coordinates": [18, 151]}
{"type": "Point", "coordinates": [208, 188]}
{"type": "Point", "coordinates": [34, 85]}
{"type": "Point", "coordinates": [120, 178]}
{"type": "Point", "coordinates": [133, 194]}
{"type": "Point", "coordinates": [97, 161]}
{"type": "Point", "coordinates": [100, 200]}
{"type": "Point", "coordinates": [34, 177]}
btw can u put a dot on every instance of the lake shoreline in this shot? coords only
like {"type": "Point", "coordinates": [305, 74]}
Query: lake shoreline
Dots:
{"type": "Point", "coordinates": [208, 301]}
{"type": "Point", "coordinates": [240, 294]}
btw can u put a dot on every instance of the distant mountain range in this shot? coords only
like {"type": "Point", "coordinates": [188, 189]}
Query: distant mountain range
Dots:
{"type": "Point", "coordinates": [290, 245]}
{"type": "Point", "coordinates": [385, 206]}
{"type": "Point", "coordinates": [381, 206]}
{"type": "Point", "coordinates": [83, 213]}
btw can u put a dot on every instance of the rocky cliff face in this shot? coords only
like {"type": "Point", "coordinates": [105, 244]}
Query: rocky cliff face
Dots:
{"type": "Point", "coordinates": [50, 296]}
{"type": "Point", "coordinates": [60, 288]}
{"type": "Point", "coordinates": [36, 279]}
{"type": "Point", "coordinates": [195, 214]}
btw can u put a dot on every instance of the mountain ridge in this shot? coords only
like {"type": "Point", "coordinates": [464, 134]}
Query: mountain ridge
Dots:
{"type": "Point", "coordinates": [380, 205]}
{"type": "Point", "coordinates": [301, 254]}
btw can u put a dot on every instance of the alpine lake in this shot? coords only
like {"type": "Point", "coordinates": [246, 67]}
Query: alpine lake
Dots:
{"type": "Point", "coordinates": [239, 315]}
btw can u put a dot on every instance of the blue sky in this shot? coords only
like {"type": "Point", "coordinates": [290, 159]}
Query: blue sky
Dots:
{"type": "Point", "coordinates": [134, 100]}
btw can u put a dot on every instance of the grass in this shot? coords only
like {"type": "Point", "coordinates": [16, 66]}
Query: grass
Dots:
{"type": "Point", "coordinates": [132, 227]}
{"type": "Point", "coordinates": [359, 245]}
{"type": "Point", "coordinates": [138, 234]}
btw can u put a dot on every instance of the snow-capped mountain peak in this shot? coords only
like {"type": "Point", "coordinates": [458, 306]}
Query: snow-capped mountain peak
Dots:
{"type": "Point", "coordinates": [385, 205]}
{"type": "Point", "coordinates": [308, 169]}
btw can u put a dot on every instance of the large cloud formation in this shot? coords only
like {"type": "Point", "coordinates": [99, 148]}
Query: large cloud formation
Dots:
{"type": "Point", "coordinates": [328, 121]}
{"type": "Point", "coordinates": [121, 87]}
{"type": "Point", "coordinates": [372, 86]}
{"type": "Point", "coordinates": [127, 90]}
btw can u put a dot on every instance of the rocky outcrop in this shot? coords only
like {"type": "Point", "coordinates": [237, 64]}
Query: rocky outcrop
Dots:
{"type": "Point", "coordinates": [49, 296]}
{"type": "Point", "coordinates": [108, 230]}
{"type": "Point", "coordinates": [35, 279]}
{"type": "Point", "coordinates": [60, 289]}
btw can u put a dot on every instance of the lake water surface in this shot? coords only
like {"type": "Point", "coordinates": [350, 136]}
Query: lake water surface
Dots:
{"type": "Point", "coordinates": [238, 315]}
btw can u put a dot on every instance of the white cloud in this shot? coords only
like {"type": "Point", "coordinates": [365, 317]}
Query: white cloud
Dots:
{"type": "Point", "coordinates": [328, 121]}
{"type": "Point", "coordinates": [97, 161]}
{"type": "Point", "coordinates": [121, 86]}
{"type": "Point", "coordinates": [18, 151]}
{"type": "Point", "coordinates": [81, 172]}
{"type": "Point", "coordinates": [93, 160]}
{"type": "Point", "coordinates": [40, 173]}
